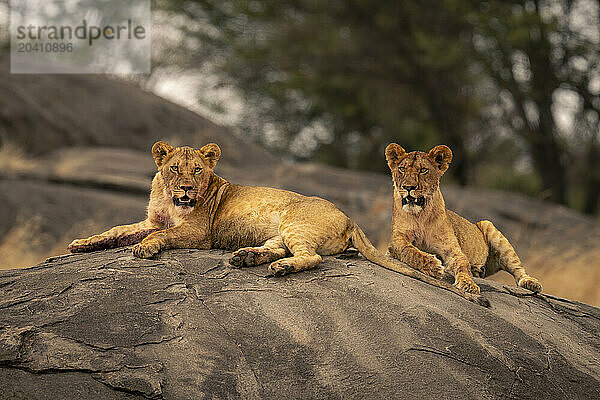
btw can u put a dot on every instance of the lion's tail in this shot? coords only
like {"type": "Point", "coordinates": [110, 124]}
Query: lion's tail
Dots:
{"type": "Point", "coordinates": [364, 246]}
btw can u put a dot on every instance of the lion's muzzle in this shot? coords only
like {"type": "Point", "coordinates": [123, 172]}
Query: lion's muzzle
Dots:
{"type": "Point", "coordinates": [184, 196]}
{"type": "Point", "coordinates": [413, 201]}
{"type": "Point", "coordinates": [185, 200]}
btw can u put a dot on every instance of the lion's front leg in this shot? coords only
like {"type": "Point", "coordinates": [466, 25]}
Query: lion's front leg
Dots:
{"type": "Point", "coordinates": [179, 237]}
{"type": "Point", "coordinates": [427, 263]}
{"type": "Point", "coordinates": [122, 235]}
{"type": "Point", "coordinates": [458, 265]}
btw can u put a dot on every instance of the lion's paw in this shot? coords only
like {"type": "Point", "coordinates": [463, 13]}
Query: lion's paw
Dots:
{"type": "Point", "coordinates": [80, 245]}
{"type": "Point", "coordinates": [465, 283]}
{"type": "Point", "coordinates": [243, 258]}
{"type": "Point", "coordinates": [280, 268]}
{"type": "Point", "coordinates": [146, 249]}
{"type": "Point", "coordinates": [530, 283]}
{"type": "Point", "coordinates": [433, 267]}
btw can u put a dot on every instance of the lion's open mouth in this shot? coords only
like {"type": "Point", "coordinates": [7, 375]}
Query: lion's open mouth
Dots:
{"type": "Point", "coordinates": [413, 201]}
{"type": "Point", "coordinates": [184, 200]}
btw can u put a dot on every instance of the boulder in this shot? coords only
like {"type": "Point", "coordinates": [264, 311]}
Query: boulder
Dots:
{"type": "Point", "coordinates": [41, 113]}
{"type": "Point", "coordinates": [185, 325]}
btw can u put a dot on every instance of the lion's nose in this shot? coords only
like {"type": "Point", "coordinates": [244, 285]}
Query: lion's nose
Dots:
{"type": "Point", "coordinates": [186, 188]}
{"type": "Point", "coordinates": [409, 188]}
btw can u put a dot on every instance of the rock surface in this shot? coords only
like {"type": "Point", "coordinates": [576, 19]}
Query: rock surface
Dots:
{"type": "Point", "coordinates": [106, 325]}
{"type": "Point", "coordinates": [41, 113]}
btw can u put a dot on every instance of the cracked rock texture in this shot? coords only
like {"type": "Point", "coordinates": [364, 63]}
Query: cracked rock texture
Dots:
{"type": "Point", "coordinates": [106, 325]}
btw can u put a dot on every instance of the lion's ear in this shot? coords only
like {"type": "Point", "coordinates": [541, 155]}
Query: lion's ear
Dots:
{"type": "Point", "coordinates": [160, 152]}
{"type": "Point", "coordinates": [441, 156]}
{"type": "Point", "coordinates": [211, 153]}
{"type": "Point", "coordinates": [393, 154]}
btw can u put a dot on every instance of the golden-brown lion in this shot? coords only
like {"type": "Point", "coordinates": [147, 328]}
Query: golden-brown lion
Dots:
{"type": "Point", "coordinates": [191, 207]}
{"type": "Point", "coordinates": [422, 227]}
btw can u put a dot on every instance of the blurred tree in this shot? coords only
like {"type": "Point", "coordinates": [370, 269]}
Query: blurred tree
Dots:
{"type": "Point", "coordinates": [343, 79]}
{"type": "Point", "coordinates": [542, 53]}
{"type": "Point", "coordinates": [337, 81]}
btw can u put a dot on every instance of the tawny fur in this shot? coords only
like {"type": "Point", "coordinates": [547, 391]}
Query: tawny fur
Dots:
{"type": "Point", "coordinates": [425, 233]}
{"type": "Point", "coordinates": [191, 207]}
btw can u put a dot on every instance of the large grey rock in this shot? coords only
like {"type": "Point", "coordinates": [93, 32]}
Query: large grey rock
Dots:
{"type": "Point", "coordinates": [41, 113]}
{"type": "Point", "coordinates": [186, 326]}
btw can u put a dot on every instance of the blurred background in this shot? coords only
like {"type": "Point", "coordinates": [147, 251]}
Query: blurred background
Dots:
{"type": "Point", "coordinates": [305, 95]}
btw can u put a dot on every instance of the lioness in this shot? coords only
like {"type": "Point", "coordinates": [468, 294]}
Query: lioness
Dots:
{"type": "Point", "coordinates": [191, 207]}
{"type": "Point", "coordinates": [422, 227]}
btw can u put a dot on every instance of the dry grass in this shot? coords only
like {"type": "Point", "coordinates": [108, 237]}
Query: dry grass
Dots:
{"type": "Point", "coordinates": [23, 245]}
{"type": "Point", "coordinates": [13, 158]}
{"type": "Point", "coordinates": [26, 244]}
{"type": "Point", "coordinates": [573, 275]}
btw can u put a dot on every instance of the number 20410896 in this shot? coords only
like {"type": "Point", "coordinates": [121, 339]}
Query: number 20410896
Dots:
{"type": "Point", "coordinates": [45, 47]}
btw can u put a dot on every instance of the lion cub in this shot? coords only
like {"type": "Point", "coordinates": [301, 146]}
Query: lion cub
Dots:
{"type": "Point", "coordinates": [191, 207]}
{"type": "Point", "coordinates": [422, 227]}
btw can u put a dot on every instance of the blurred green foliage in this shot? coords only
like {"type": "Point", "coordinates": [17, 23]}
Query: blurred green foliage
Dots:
{"type": "Point", "coordinates": [336, 81]}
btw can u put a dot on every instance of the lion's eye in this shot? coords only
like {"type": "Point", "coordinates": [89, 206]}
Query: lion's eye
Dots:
{"type": "Point", "coordinates": [175, 169]}
{"type": "Point", "coordinates": [197, 170]}
{"type": "Point", "coordinates": [423, 171]}
{"type": "Point", "coordinates": [402, 169]}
